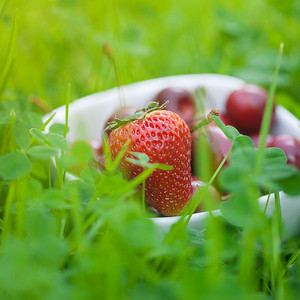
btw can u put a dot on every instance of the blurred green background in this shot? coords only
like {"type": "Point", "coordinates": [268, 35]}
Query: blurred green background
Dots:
{"type": "Point", "coordinates": [61, 42]}
{"type": "Point", "coordinates": [57, 242]}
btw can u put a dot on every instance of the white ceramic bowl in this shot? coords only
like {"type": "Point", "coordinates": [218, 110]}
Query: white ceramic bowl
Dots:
{"type": "Point", "coordinates": [87, 117]}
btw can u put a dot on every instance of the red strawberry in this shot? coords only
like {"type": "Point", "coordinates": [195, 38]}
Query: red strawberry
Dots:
{"type": "Point", "coordinates": [165, 138]}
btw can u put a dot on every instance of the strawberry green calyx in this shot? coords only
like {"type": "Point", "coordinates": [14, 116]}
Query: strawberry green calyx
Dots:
{"type": "Point", "coordinates": [139, 114]}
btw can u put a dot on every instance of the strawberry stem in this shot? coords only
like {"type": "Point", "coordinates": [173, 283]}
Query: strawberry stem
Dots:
{"type": "Point", "coordinates": [139, 114]}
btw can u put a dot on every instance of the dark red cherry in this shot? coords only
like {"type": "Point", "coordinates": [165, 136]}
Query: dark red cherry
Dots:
{"type": "Point", "coordinates": [97, 147]}
{"type": "Point", "coordinates": [291, 147]}
{"type": "Point", "coordinates": [219, 143]}
{"type": "Point", "coordinates": [225, 119]}
{"type": "Point", "coordinates": [180, 101]}
{"type": "Point", "coordinates": [217, 146]}
{"type": "Point", "coordinates": [255, 139]}
{"type": "Point", "coordinates": [245, 108]}
{"type": "Point", "coordinates": [212, 198]}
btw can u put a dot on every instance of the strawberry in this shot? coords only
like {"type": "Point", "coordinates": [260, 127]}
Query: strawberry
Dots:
{"type": "Point", "coordinates": [165, 138]}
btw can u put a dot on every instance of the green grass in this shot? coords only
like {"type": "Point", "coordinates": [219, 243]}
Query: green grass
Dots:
{"type": "Point", "coordinates": [89, 238]}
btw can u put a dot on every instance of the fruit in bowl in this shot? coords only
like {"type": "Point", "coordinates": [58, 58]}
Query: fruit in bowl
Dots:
{"type": "Point", "coordinates": [290, 145]}
{"type": "Point", "coordinates": [88, 116]}
{"type": "Point", "coordinates": [245, 108]}
{"type": "Point", "coordinates": [165, 138]}
{"type": "Point", "coordinates": [180, 101]}
{"type": "Point", "coordinates": [213, 198]}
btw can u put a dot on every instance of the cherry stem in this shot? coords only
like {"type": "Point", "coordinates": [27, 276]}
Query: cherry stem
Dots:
{"type": "Point", "coordinates": [207, 120]}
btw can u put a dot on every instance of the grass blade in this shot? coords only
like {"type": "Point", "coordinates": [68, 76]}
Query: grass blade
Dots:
{"type": "Point", "coordinates": [10, 55]}
{"type": "Point", "coordinates": [3, 8]}
{"type": "Point", "coordinates": [67, 110]}
{"type": "Point", "coordinates": [47, 122]}
{"type": "Point", "coordinates": [266, 122]}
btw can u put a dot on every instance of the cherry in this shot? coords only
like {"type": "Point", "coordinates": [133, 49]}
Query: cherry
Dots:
{"type": "Point", "coordinates": [245, 108]}
{"type": "Point", "coordinates": [212, 198]}
{"type": "Point", "coordinates": [97, 147]}
{"type": "Point", "coordinates": [180, 101]}
{"type": "Point", "coordinates": [291, 147]}
{"type": "Point", "coordinates": [225, 119]}
{"type": "Point", "coordinates": [255, 139]}
{"type": "Point", "coordinates": [217, 146]}
{"type": "Point", "coordinates": [219, 143]}
{"type": "Point", "coordinates": [85, 153]}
